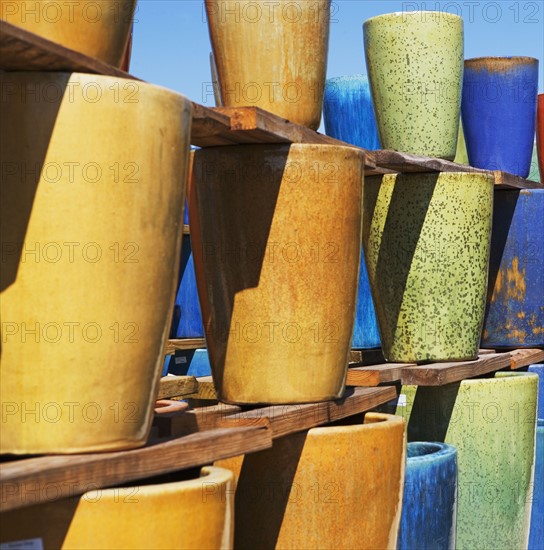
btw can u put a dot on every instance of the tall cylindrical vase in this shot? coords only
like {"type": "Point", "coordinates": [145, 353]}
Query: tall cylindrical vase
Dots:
{"type": "Point", "coordinates": [91, 226]}
{"type": "Point", "coordinates": [426, 242]}
{"type": "Point", "coordinates": [415, 67]}
{"type": "Point", "coordinates": [540, 135]}
{"type": "Point", "coordinates": [499, 110]}
{"type": "Point", "coordinates": [98, 28]}
{"type": "Point", "coordinates": [515, 297]}
{"type": "Point", "coordinates": [491, 422]}
{"type": "Point", "coordinates": [272, 55]}
{"type": "Point", "coordinates": [276, 233]}
{"type": "Point", "coordinates": [429, 505]}
{"type": "Point", "coordinates": [331, 487]}
{"type": "Point", "coordinates": [185, 514]}
{"type": "Point", "coordinates": [349, 116]}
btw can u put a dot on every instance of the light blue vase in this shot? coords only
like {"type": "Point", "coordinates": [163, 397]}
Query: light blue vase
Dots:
{"type": "Point", "coordinates": [349, 116]}
{"type": "Point", "coordinates": [190, 362]}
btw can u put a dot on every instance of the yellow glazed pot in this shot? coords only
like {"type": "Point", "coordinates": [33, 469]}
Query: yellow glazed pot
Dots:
{"type": "Point", "coordinates": [97, 28]}
{"type": "Point", "coordinates": [331, 487]}
{"type": "Point", "coordinates": [272, 55]}
{"type": "Point", "coordinates": [91, 204]}
{"type": "Point", "coordinates": [276, 233]}
{"type": "Point", "coordinates": [193, 514]}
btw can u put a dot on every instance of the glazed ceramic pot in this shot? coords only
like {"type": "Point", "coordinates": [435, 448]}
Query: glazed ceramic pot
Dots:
{"type": "Point", "coordinates": [349, 116]}
{"type": "Point", "coordinates": [461, 157]}
{"type": "Point", "coordinates": [536, 534]}
{"type": "Point", "coordinates": [191, 362]}
{"type": "Point", "coordinates": [276, 267]}
{"type": "Point", "coordinates": [540, 135]}
{"type": "Point", "coordinates": [499, 109]}
{"type": "Point", "coordinates": [426, 243]}
{"type": "Point", "coordinates": [187, 320]}
{"type": "Point", "coordinates": [429, 505]}
{"type": "Point", "coordinates": [491, 422]}
{"type": "Point", "coordinates": [99, 29]}
{"type": "Point", "coordinates": [539, 369]}
{"type": "Point", "coordinates": [91, 235]}
{"type": "Point", "coordinates": [272, 55]}
{"type": "Point", "coordinates": [152, 514]}
{"type": "Point", "coordinates": [125, 63]}
{"type": "Point", "coordinates": [515, 298]}
{"type": "Point", "coordinates": [349, 113]}
{"type": "Point", "coordinates": [415, 67]}
{"type": "Point", "coordinates": [330, 487]}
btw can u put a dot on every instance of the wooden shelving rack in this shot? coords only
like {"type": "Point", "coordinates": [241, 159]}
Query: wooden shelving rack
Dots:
{"type": "Point", "coordinates": [206, 434]}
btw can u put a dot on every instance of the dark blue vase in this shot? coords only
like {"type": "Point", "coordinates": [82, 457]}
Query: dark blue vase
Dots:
{"type": "Point", "coordinates": [190, 362]}
{"type": "Point", "coordinates": [499, 112]}
{"type": "Point", "coordinates": [515, 297]}
{"type": "Point", "coordinates": [430, 497]}
{"type": "Point", "coordinates": [349, 116]}
{"type": "Point", "coordinates": [539, 369]}
{"type": "Point", "coordinates": [187, 319]}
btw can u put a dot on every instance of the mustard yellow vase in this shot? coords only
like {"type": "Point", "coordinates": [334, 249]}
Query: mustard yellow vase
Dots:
{"type": "Point", "coordinates": [91, 219]}
{"type": "Point", "coordinates": [98, 28]}
{"type": "Point", "coordinates": [272, 55]}
{"type": "Point", "coordinates": [331, 487]}
{"type": "Point", "coordinates": [193, 514]}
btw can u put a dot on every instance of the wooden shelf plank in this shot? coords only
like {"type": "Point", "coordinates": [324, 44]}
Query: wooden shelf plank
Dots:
{"type": "Point", "coordinates": [378, 374]}
{"type": "Point", "coordinates": [177, 386]}
{"type": "Point", "coordinates": [439, 374]}
{"type": "Point", "coordinates": [24, 482]}
{"type": "Point", "coordinates": [525, 357]}
{"type": "Point", "coordinates": [21, 50]}
{"type": "Point", "coordinates": [287, 419]}
{"type": "Point", "coordinates": [184, 344]}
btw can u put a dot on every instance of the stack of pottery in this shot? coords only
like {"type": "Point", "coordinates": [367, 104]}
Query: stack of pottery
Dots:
{"type": "Point", "coordinates": [187, 513]}
{"type": "Point", "coordinates": [337, 486]}
{"type": "Point", "coordinates": [91, 227]}
{"type": "Point", "coordinates": [349, 116]}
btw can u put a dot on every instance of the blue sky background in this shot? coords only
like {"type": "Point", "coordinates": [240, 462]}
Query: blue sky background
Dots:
{"type": "Point", "coordinates": [171, 44]}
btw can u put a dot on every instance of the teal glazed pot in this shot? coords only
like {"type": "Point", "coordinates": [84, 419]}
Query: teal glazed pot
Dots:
{"type": "Point", "coordinates": [491, 422]}
{"type": "Point", "coordinates": [515, 298]}
{"type": "Point", "coordinates": [430, 497]}
{"type": "Point", "coordinates": [536, 535]}
{"type": "Point", "coordinates": [415, 67]}
{"type": "Point", "coordinates": [499, 112]}
{"type": "Point", "coordinates": [426, 242]}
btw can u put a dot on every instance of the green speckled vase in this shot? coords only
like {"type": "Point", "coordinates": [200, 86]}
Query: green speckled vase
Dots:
{"type": "Point", "coordinates": [415, 66]}
{"type": "Point", "coordinates": [426, 239]}
{"type": "Point", "coordinates": [491, 421]}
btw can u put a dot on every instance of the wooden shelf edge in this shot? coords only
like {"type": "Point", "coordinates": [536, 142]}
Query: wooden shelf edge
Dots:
{"type": "Point", "coordinates": [184, 344]}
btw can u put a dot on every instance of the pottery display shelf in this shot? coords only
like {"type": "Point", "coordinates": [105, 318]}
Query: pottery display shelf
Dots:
{"type": "Point", "coordinates": [184, 440]}
{"type": "Point", "coordinates": [25, 51]}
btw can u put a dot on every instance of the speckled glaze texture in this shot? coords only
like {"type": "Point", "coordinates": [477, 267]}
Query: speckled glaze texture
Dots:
{"type": "Point", "coordinates": [499, 112]}
{"type": "Point", "coordinates": [429, 505]}
{"type": "Point", "coordinates": [536, 535]}
{"type": "Point", "coordinates": [334, 487]}
{"type": "Point", "coordinates": [272, 55]}
{"type": "Point", "coordinates": [426, 241]}
{"type": "Point", "coordinates": [100, 28]}
{"type": "Point", "coordinates": [415, 67]}
{"type": "Point", "coordinates": [276, 233]}
{"type": "Point", "coordinates": [515, 297]}
{"type": "Point", "coordinates": [491, 422]}
{"type": "Point", "coordinates": [461, 157]}
{"type": "Point", "coordinates": [190, 514]}
{"type": "Point", "coordinates": [349, 116]}
{"type": "Point", "coordinates": [540, 135]}
{"type": "Point", "coordinates": [187, 319]}
{"type": "Point", "coordinates": [117, 292]}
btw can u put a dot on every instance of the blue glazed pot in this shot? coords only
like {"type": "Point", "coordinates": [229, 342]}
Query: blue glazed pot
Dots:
{"type": "Point", "coordinates": [515, 297]}
{"type": "Point", "coordinates": [187, 319]}
{"type": "Point", "coordinates": [349, 113]}
{"type": "Point", "coordinates": [191, 362]}
{"type": "Point", "coordinates": [539, 369]}
{"type": "Point", "coordinates": [499, 112]}
{"type": "Point", "coordinates": [349, 116]}
{"type": "Point", "coordinates": [430, 497]}
{"type": "Point", "coordinates": [536, 534]}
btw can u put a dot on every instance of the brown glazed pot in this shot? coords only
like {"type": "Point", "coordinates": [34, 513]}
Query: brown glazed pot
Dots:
{"type": "Point", "coordinates": [272, 55]}
{"type": "Point", "coordinates": [276, 235]}
{"type": "Point", "coordinates": [97, 28]}
{"type": "Point", "coordinates": [331, 487]}
{"type": "Point", "coordinates": [540, 135]}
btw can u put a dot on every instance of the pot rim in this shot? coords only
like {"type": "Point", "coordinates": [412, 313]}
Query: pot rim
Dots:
{"type": "Point", "coordinates": [438, 450]}
{"type": "Point", "coordinates": [525, 58]}
{"type": "Point", "coordinates": [398, 14]}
